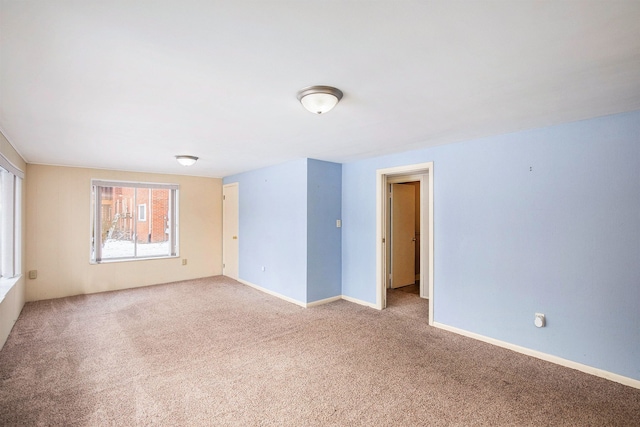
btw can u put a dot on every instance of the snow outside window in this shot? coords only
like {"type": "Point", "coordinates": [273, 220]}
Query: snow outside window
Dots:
{"type": "Point", "coordinates": [133, 220]}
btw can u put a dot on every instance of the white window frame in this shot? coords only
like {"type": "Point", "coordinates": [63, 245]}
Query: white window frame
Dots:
{"type": "Point", "coordinates": [10, 220]}
{"type": "Point", "coordinates": [96, 219]}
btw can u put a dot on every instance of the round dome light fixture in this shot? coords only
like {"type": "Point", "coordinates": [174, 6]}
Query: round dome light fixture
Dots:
{"type": "Point", "coordinates": [319, 99]}
{"type": "Point", "coordinates": [186, 160]}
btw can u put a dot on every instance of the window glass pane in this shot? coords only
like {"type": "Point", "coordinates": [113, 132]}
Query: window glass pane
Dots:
{"type": "Point", "coordinates": [7, 225]}
{"type": "Point", "coordinates": [10, 224]}
{"type": "Point", "coordinates": [117, 222]}
{"type": "Point", "coordinates": [3, 237]}
{"type": "Point", "coordinates": [17, 232]}
{"type": "Point", "coordinates": [152, 233]}
{"type": "Point", "coordinates": [133, 220]}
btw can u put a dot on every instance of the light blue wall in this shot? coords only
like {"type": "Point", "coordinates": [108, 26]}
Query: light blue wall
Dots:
{"type": "Point", "coordinates": [287, 223]}
{"type": "Point", "coordinates": [273, 228]}
{"type": "Point", "coordinates": [324, 254]}
{"type": "Point", "coordinates": [545, 221]}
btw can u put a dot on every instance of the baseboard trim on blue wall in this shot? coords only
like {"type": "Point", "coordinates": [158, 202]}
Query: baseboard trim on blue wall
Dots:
{"type": "Point", "coordinates": [323, 301]}
{"type": "Point", "coordinates": [359, 301]}
{"type": "Point", "coordinates": [273, 293]}
{"type": "Point", "coordinates": [289, 299]}
{"type": "Point", "coordinates": [544, 356]}
{"type": "Point", "coordinates": [307, 304]}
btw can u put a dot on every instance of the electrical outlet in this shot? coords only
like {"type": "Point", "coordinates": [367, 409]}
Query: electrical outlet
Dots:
{"type": "Point", "coordinates": [184, 261]}
{"type": "Point", "coordinates": [33, 274]}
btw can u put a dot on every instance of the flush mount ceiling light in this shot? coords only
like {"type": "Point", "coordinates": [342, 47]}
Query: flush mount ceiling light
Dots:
{"type": "Point", "coordinates": [186, 160]}
{"type": "Point", "coordinates": [319, 99]}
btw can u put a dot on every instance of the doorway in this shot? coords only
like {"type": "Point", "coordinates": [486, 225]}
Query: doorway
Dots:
{"type": "Point", "coordinates": [403, 254]}
{"type": "Point", "coordinates": [418, 174]}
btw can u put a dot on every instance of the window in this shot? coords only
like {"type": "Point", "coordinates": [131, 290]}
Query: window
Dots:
{"type": "Point", "coordinates": [10, 219]}
{"type": "Point", "coordinates": [119, 233]}
{"type": "Point", "coordinates": [142, 213]}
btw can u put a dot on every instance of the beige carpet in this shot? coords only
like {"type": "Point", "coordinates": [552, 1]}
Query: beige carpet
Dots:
{"type": "Point", "coordinates": [215, 352]}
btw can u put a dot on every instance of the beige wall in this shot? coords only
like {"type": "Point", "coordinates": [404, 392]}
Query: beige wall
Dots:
{"type": "Point", "coordinates": [58, 233]}
{"type": "Point", "coordinates": [11, 305]}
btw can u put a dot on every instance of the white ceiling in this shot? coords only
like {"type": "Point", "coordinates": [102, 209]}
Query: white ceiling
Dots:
{"type": "Point", "coordinates": [128, 84]}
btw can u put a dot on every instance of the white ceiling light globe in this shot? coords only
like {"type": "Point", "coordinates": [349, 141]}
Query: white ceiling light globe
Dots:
{"type": "Point", "coordinates": [319, 99]}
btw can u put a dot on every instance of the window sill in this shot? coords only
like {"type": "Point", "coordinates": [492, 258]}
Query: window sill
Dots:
{"type": "Point", "coordinates": [114, 260]}
{"type": "Point", "coordinates": [7, 284]}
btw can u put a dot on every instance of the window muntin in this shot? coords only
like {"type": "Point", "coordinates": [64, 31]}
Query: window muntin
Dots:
{"type": "Point", "coordinates": [123, 229]}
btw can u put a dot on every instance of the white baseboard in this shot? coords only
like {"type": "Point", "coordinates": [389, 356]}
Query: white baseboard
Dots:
{"type": "Point", "coordinates": [323, 301]}
{"type": "Point", "coordinates": [310, 304]}
{"type": "Point", "coordinates": [544, 356]}
{"type": "Point", "coordinates": [358, 301]}
{"type": "Point", "coordinates": [272, 293]}
{"type": "Point", "coordinates": [289, 299]}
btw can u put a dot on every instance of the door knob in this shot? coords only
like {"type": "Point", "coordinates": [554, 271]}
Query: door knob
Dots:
{"type": "Point", "coordinates": [236, 237]}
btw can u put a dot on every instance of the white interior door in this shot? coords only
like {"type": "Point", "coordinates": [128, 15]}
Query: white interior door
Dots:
{"type": "Point", "coordinates": [230, 235]}
{"type": "Point", "coordinates": [403, 235]}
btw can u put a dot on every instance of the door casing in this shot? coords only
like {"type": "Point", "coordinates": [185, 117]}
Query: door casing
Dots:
{"type": "Point", "coordinates": [424, 173]}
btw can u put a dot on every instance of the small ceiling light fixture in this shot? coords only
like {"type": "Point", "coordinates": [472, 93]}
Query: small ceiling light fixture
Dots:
{"type": "Point", "coordinates": [186, 160]}
{"type": "Point", "coordinates": [319, 99]}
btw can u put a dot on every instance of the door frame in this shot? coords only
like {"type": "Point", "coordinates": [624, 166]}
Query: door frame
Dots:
{"type": "Point", "coordinates": [383, 178]}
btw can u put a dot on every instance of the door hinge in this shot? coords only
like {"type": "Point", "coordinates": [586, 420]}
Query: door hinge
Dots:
{"type": "Point", "coordinates": [383, 240]}
{"type": "Point", "coordinates": [224, 197]}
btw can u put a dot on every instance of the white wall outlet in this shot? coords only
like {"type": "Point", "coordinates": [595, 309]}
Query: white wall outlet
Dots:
{"type": "Point", "coordinates": [338, 223]}
{"type": "Point", "coordinates": [263, 268]}
{"type": "Point", "coordinates": [539, 320]}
